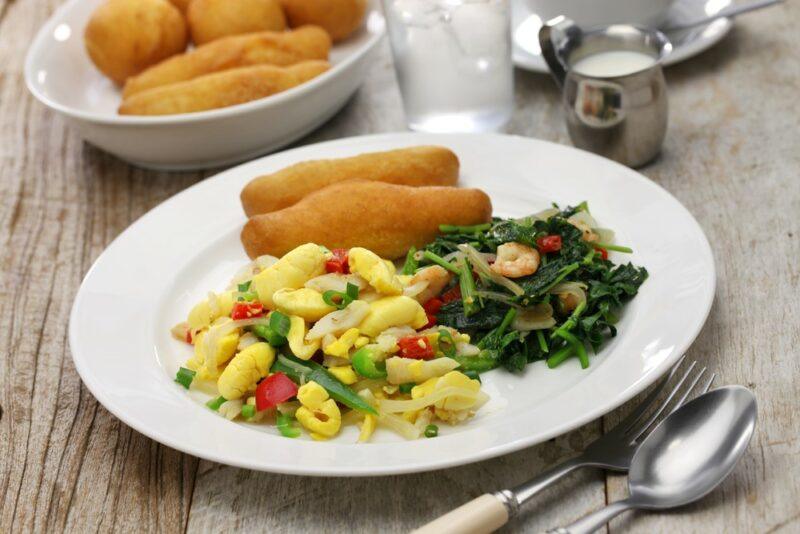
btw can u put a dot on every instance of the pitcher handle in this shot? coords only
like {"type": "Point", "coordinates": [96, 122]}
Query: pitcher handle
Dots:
{"type": "Point", "coordinates": [560, 28]}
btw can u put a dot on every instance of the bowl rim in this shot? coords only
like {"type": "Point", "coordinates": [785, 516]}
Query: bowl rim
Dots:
{"type": "Point", "coordinates": [374, 36]}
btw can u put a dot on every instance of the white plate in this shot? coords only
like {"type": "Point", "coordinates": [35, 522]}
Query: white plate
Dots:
{"type": "Point", "coordinates": [152, 274]}
{"type": "Point", "coordinates": [685, 44]}
{"type": "Point", "coordinates": [59, 73]}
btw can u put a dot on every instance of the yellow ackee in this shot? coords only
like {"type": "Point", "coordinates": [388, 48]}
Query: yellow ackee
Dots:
{"type": "Point", "coordinates": [451, 379]}
{"type": "Point", "coordinates": [318, 413]}
{"type": "Point", "coordinates": [341, 347]}
{"type": "Point", "coordinates": [223, 351]}
{"type": "Point", "coordinates": [345, 374]}
{"type": "Point", "coordinates": [379, 273]}
{"type": "Point", "coordinates": [367, 427]}
{"type": "Point", "coordinates": [202, 315]}
{"type": "Point", "coordinates": [245, 370]}
{"type": "Point", "coordinates": [392, 311]}
{"type": "Point", "coordinates": [297, 339]}
{"type": "Point", "coordinates": [303, 302]}
{"type": "Point", "coordinates": [293, 270]}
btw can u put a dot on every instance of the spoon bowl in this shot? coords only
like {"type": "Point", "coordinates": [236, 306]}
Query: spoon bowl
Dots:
{"type": "Point", "coordinates": [693, 450]}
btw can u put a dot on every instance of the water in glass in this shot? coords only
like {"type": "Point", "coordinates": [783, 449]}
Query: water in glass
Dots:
{"type": "Point", "coordinates": [453, 63]}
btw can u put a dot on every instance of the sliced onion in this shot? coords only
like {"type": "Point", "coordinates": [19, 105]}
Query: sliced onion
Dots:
{"type": "Point", "coordinates": [398, 406]}
{"type": "Point", "coordinates": [222, 328]}
{"type": "Point", "coordinates": [386, 343]}
{"type": "Point", "coordinates": [466, 349]}
{"type": "Point", "coordinates": [398, 372]}
{"type": "Point", "coordinates": [537, 317]}
{"type": "Point", "coordinates": [423, 419]}
{"type": "Point", "coordinates": [264, 261]}
{"type": "Point", "coordinates": [570, 288]}
{"type": "Point", "coordinates": [231, 409]}
{"type": "Point", "coordinates": [455, 255]}
{"type": "Point", "coordinates": [213, 304]}
{"type": "Point", "coordinates": [481, 265]}
{"type": "Point", "coordinates": [337, 322]}
{"type": "Point", "coordinates": [415, 289]}
{"type": "Point", "coordinates": [604, 235]}
{"type": "Point", "coordinates": [335, 282]}
{"type": "Point", "coordinates": [399, 425]}
{"type": "Point", "coordinates": [583, 217]}
{"type": "Point", "coordinates": [246, 340]}
{"type": "Point", "coordinates": [543, 215]}
{"type": "Point", "coordinates": [398, 332]}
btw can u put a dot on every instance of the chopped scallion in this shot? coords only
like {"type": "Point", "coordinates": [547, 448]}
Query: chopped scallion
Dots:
{"type": "Point", "coordinates": [244, 286]}
{"type": "Point", "coordinates": [214, 404]}
{"type": "Point", "coordinates": [248, 411]}
{"type": "Point", "coordinates": [438, 260]}
{"type": "Point", "coordinates": [184, 377]}
{"type": "Point", "coordinates": [616, 248]}
{"type": "Point", "coordinates": [431, 431]}
{"type": "Point", "coordinates": [407, 387]}
{"type": "Point", "coordinates": [411, 263]}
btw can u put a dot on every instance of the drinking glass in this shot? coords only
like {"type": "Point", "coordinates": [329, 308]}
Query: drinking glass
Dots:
{"type": "Point", "coordinates": [453, 63]}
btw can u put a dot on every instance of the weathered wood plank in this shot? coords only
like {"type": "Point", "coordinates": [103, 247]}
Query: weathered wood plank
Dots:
{"type": "Point", "coordinates": [66, 462]}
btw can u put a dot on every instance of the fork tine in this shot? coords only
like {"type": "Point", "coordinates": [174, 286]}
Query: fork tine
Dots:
{"type": "Point", "coordinates": [664, 404]}
{"type": "Point", "coordinates": [628, 423]}
{"type": "Point", "coordinates": [688, 391]}
{"type": "Point", "coordinates": [709, 382]}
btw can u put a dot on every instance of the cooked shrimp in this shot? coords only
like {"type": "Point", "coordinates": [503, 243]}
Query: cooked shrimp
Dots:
{"type": "Point", "coordinates": [588, 235]}
{"type": "Point", "coordinates": [437, 278]}
{"type": "Point", "coordinates": [515, 260]}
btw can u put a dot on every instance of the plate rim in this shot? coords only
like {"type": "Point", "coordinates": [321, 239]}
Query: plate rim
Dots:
{"type": "Point", "coordinates": [646, 379]}
{"type": "Point", "coordinates": [374, 36]}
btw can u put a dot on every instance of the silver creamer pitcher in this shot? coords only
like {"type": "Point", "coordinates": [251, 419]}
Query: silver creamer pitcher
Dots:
{"type": "Point", "coordinates": [622, 117]}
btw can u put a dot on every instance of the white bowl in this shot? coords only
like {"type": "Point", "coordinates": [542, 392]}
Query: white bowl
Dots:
{"type": "Point", "coordinates": [648, 13]}
{"type": "Point", "coordinates": [60, 74]}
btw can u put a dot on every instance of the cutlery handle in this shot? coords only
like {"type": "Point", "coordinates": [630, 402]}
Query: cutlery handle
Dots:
{"type": "Point", "coordinates": [491, 511]}
{"type": "Point", "coordinates": [485, 514]}
{"type": "Point", "coordinates": [595, 520]}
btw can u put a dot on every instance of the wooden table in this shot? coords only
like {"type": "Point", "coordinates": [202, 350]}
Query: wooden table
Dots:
{"type": "Point", "coordinates": [732, 156]}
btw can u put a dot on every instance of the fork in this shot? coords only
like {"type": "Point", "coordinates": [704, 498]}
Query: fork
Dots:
{"type": "Point", "coordinates": [612, 451]}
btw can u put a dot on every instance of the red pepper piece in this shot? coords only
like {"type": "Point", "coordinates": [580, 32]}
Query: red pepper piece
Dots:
{"type": "Point", "coordinates": [603, 252]}
{"type": "Point", "coordinates": [433, 306]}
{"type": "Point", "coordinates": [338, 263]}
{"type": "Point", "coordinates": [273, 390]}
{"type": "Point", "coordinates": [452, 294]}
{"type": "Point", "coordinates": [246, 310]}
{"type": "Point", "coordinates": [549, 243]}
{"type": "Point", "coordinates": [188, 336]}
{"type": "Point", "coordinates": [415, 347]}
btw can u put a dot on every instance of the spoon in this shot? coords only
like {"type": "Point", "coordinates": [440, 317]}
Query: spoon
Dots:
{"type": "Point", "coordinates": [728, 12]}
{"type": "Point", "coordinates": [685, 457]}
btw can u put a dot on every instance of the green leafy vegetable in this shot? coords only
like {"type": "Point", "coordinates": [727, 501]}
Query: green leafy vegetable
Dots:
{"type": "Point", "coordinates": [484, 304]}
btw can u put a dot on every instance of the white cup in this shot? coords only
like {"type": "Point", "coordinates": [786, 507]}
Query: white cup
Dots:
{"type": "Point", "coordinates": [586, 13]}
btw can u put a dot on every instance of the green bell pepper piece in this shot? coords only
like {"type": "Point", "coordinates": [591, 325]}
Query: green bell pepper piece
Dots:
{"type": "Point", "coordinates": [366, 366]}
